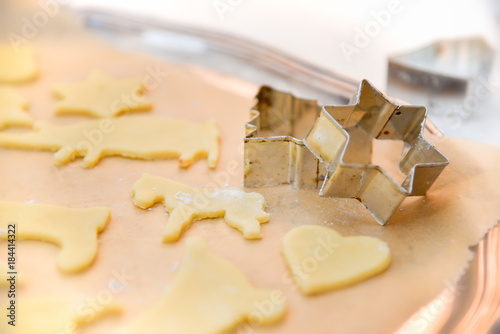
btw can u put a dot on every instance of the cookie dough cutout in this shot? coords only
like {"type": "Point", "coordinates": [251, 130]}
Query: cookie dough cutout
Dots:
{"type": "Point", "coordinates": [47, 315]}
{"type": "Point", "coordinates": [242, 211]}
{"type": "Point", "coordinates": [101, 96]}
{"type": "Point", "coordinates": [13, 109]}
{"type": "Point", "coordinates": [3, 274]}
{"type": "Point", "coordinates": [138, 137]}
{"type": "Point", "coordinates": [209, 295]}
{"type": "Point", "coordinates": [17, 64]}
{"type": "Point", "coordinates": [321, 259]}
{"type": "Point", "coordinates": [74, 230]}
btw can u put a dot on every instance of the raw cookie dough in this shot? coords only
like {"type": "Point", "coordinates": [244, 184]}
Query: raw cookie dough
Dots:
{"type": "Point", "coordinates": [50, 315]}
{"type": "Point", "coordinates": [241, 210]}
{"type": "Point", "coordinates": [13, 109]}
{"type": "Point", "coordinates": [139, 137]}
{"type": "Point", "coordinates": [74, 230]}
{"type": "Point", "coordinates": [101, 96]}
{"type": "Point", "coordinates": [17, 64]}
{"type": "Point", "coordinates": [321, 259]}
{"type": "Point", "coordinates": [209, 295]}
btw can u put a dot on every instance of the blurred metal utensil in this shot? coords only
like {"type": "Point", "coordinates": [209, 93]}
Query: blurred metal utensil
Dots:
{"type": "Point", "coordinates": [449, 77]}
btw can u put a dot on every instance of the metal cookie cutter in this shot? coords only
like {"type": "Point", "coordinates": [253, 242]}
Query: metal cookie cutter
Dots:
{"type": "Point", "coordinates": [338, 148]}
{"type": "Point", "coordinates": [274, 154]}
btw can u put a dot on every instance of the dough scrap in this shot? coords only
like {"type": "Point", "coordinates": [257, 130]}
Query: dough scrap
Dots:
{"type": "Point", "coordinates": [209, 295]}
{"type": "Point", "coordinates": [321, 259]}
{"type": "Point", "coordinates": [242, 211]}
{"type": "Point", "coordinates": [101, 96]}
{"type": "Point", "coordinates": [139, 137]}
{"type": "Point", "coordinates": [74, 230]}
{"type": "Point", "coordinates": [54, 314]}
{"type": "Point", "coordinates": [17, 64]}
{"type": "Point", "coordinates": [13, 109]}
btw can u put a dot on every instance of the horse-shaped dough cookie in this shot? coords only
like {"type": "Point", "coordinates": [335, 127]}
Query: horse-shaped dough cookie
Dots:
{"type": "Point", "coordinates": [139, 137]}
{"type": "Point", "coordinates": [74, 230]}
{"type": "Point", "coordinates": [241, 210]}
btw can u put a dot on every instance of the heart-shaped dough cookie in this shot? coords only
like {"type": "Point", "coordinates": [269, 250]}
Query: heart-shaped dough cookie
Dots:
{"type": "Point", "coordinates": [321, 259]}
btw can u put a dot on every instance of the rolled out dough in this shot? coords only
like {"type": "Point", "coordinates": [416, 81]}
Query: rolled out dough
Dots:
{"type": "Point", "coordinates": [12, 109]}
{"type": "Point", "coordinates": [320, 259]}
{"type": "Point", "coordinates": [74, 230]}
{"type": "Point", "coordinates": [209, 295]}
{"type": "Point", "coordinates": [54, 314]}
{"type": "Point", "coordinates": [241, 210]}
{"type": "Point", "coordinates": [17, 64]}
{"type": "Point", "coordinates": [138, 137]}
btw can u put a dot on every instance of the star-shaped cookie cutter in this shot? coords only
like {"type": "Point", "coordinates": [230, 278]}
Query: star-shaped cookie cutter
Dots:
{"type": "Point", "coordinates": [338, 148]}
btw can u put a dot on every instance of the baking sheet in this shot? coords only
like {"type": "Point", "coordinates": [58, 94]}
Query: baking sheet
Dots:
{"type": "Point", "coordinates": [429, 237]}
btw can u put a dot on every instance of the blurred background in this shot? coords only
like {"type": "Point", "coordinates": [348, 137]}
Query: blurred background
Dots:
{"type": "Point", "coordinates": [352, 38]}
{"type": "Point", "coordinates": [315, 30]}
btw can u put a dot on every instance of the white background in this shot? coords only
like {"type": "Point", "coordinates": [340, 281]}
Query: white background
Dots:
{"type": "Point", "coordinates": [315, 30]}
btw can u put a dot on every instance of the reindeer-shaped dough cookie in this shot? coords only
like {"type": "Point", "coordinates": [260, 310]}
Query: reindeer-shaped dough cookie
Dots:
{"type": "Point", "coordinates": [74, 230]}
{"type": "Point", "coordinates": [241, 210]}
{"type": "Point", "coordinates": [139, 137]}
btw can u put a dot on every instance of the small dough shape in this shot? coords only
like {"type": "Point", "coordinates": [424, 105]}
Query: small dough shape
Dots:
{"type": "Point", "coordinates": [17, 64]}
{"type": "Point", "coordinates": [242, 211]}
{"type": "Point", "coordinates": [209, 295]}
{"type": "Point", "coordinates": [138, 137]}
{"type": "Point", "coordinates": [74, 230]}
{"type": "Point", "coordinates": [13, 109]}
{"type": "Point", "coordinates": [48, 315]}
{"type": "Point", "coordinates": [101, 96]}
{"type": "Point", "coordinates": [321, 259]}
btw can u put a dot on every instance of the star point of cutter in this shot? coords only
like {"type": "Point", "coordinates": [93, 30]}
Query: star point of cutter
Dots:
{"type": "Point", "coordinates": [342, 139]}
{"type": "Point", "coordinates": [100, 95]}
